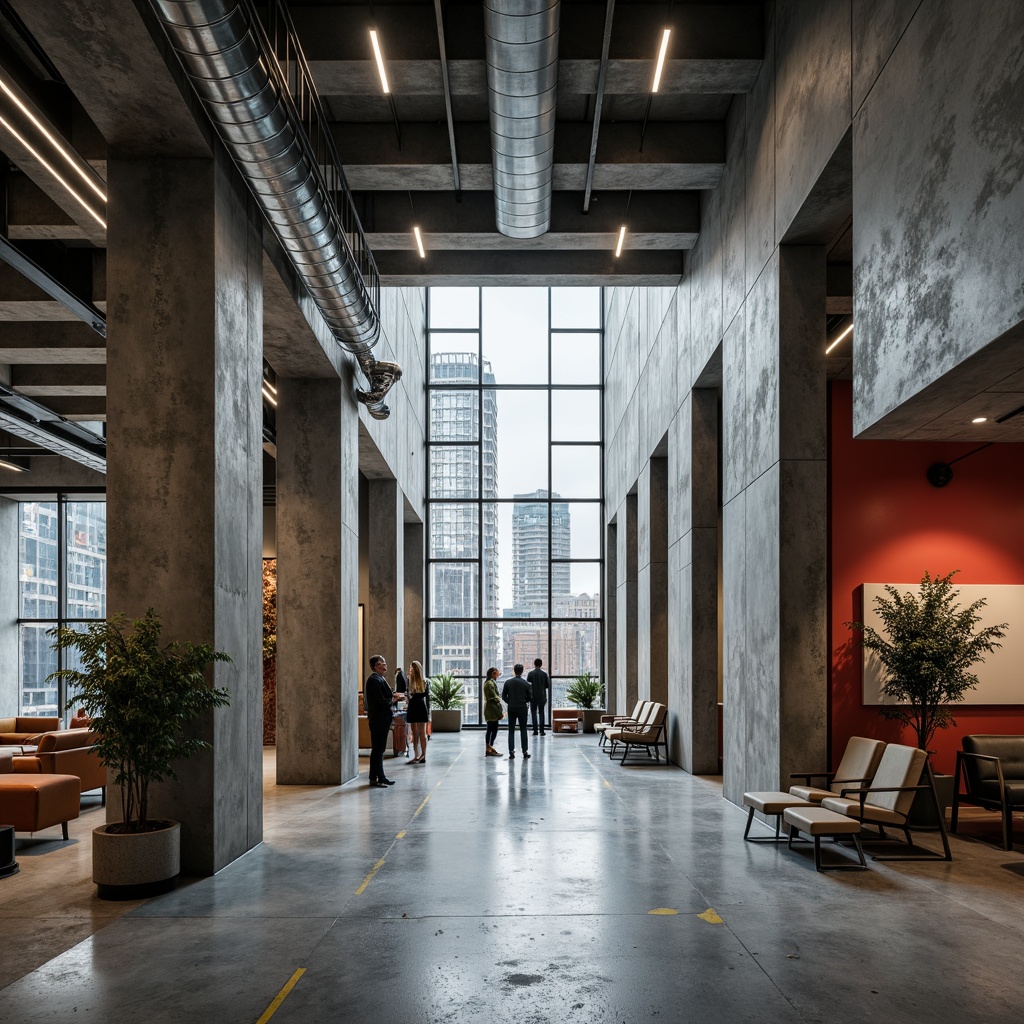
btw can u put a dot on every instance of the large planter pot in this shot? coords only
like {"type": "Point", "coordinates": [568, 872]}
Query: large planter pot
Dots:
{"type": "Point", "coordinates": [922, 810]}
{"type": "Point", "coordinates": [138, 865]}
{"type": "Point", "coordinates": [446, 721]}
{"type": "Point", "coordinates": [591, 716]}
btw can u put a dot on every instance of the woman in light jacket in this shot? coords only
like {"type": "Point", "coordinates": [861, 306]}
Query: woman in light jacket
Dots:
{"type": "Point", "coordinates": [493, 711]}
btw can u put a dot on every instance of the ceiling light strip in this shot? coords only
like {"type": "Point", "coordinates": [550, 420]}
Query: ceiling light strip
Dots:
{"type": "Point", "coordinates": [419, 242]}
{"type": "Point", "coordinates": [4, 464]}
{"type": "Point", "coordinates": [53, 141]}
{"type": "Point", "coordinates": [839, 339]}
{"type": "Point", "coordinates": [85, 206]}
{"type": "Point", "coordinates": [268, 396]}
{"type": "Point", "coordinates": [622, 238]}
{"type": "Point", "coordinates": [380, 60]}
{"type": "Point", "coordinates": [661, 59]}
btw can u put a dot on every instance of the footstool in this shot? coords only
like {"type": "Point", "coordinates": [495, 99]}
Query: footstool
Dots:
{"type": "Point", "coordinates": [31, 803]}
{"type": "Point", "coordinates": [817, 822]}
{"type": "Point", "coordinates": [770, 803]}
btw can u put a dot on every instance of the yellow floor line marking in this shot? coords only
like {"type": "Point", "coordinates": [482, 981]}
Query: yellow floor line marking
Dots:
{"type": "Point", "coordinates": [662, 911]}
{"type": "Point", "coordinates": [281, 996]}
{"type": "Point", "coordinates": [401, 835]}
{"type": "Point", "coordinates": [711, 917]}
{"type": "Point", "coordinates": [607, 784]}
{"type": "Point", "coordinates": [369, 877]}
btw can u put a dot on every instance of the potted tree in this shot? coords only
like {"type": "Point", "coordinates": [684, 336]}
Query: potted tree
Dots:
{"type": "Point", "coordinates": [446, 700]}
{"type": "Point", "coordinates": [587, 693]}
{"type": "Point", "coordinates": [928, 647]}
{"type": "Point", "coordinates": [141, 696]}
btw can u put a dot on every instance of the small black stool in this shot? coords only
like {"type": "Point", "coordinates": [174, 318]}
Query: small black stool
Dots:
{"type": "Point", "coordinates": [8, 865]}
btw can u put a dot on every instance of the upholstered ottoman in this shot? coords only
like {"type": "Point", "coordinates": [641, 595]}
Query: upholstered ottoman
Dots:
{"type": "Point", "coordinates": [816, 822]}
{"type": "Point", "coordinates": [770, 803]}
{"type": "Point", "coordinates": [33, 802]}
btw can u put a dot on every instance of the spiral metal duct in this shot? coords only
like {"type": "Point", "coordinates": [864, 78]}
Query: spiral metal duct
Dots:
{"type": "Point", "coordinates": [522, 75]}
{"type": "Point", "coordinates": [219, 45]}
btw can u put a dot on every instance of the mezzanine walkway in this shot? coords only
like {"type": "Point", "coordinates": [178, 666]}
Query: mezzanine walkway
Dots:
{"type": "Point", "coordinates": [487, 890]}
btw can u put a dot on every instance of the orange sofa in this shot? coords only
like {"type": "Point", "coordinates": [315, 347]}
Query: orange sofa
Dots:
{"type": "Point", "coordinates": [25, 730]}
{"type": "Point", "coordinates": [66, 752]}
{"type": "Point", "coordinates": [33, 802]}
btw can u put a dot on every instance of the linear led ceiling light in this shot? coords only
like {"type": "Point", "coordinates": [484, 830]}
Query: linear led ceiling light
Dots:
{"type": "Point", "coordinates": [267, 394]}
{"type": "Point", "coordinates": [980, 419]}
{"type": "Point", "coordinates": [380, 60]}
{"type": "Point", "coordinates": [622, 238]}
{"type": "Point", "coordinates": [88, 209]}
{"type": "Point", "coordinates": [52, 139]}
{"type": "Point", "coordinates": [419, 242]}
{"type": "Point", "coordinates": [839, 339]}
{"type": "Point", "coordinates": [4, 464]}
{"type": "Point", "coordinates": [661, 59]}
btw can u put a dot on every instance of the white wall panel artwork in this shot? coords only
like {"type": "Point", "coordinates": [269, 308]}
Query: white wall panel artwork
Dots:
{"type": "Point", "coordinates": [1000, 676]}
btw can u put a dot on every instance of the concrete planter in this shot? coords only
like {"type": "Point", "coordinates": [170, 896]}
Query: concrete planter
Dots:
{"type": "Point", "coordinates": [591, 716]}
{"type": "Point", "coordinates": [446, 721]}
{"type": "Point", "coordinates": [137, 866]}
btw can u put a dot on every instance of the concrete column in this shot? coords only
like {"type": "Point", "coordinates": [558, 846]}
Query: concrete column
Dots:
{"type": "Point", "coordinates": [415, 648]}
{"type": "Point", "coordinates": [10, 684]}
{"type": "Point", "coordinates": [385, 609]}
{"type": "Point", "coordinates": [693, 689]}
{"type": "Point", "coordinates": [611, 605]}
{"type": "Point", "coordinates": [317, 564]}
{"type": "Point", "coordinates": [775, 526]}
{"type": "Point", "coordinates": [184, 517]}
{"type": "Point", "coordinates": [652, 594]}
{"type": "Point", "coordinates": [626, 615]}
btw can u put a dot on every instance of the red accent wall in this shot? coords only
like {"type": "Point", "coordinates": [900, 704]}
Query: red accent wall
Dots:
{"type": "Point", "coordinates": [888, 525]}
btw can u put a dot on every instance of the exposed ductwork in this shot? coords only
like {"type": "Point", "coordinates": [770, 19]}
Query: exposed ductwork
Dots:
{"type": "Point", "coordinates": [227, 57]}
{"type": "Point", "coordinates": [522, 76]}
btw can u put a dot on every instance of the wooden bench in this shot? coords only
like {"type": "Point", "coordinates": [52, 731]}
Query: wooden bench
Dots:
{"type": "Point", "coordinates": [565, 720]}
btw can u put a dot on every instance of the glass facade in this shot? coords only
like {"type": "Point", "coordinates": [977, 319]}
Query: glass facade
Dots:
{"type": "Point", "coordinates": [515, 488]}
{"type": "Point", "coordinates": [62, 580]}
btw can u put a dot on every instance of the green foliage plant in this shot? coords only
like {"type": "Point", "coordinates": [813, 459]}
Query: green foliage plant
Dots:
{"type": "Point", "coordinates": [140, 696]}
{"type": "Point", "coordinates": [585, 691]}
{"type": "Point", "coordinates": [446, 693]}
{"type": "Point", "coordinates": [928, 648]}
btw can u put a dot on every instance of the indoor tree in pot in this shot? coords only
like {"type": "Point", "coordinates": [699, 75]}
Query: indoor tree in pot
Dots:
{"type": "Point", "coordinates": [446, 700]}
{"type": "Point", "coordinates": [587, 693]}
{"type": "Point", "coordinates": [141, 696]}
{"type": "Point", "coordinates": [928, 646]}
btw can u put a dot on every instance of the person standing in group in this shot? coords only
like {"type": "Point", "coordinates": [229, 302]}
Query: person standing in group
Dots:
{"type": "Point", "coordinates": [516, 694]}
{"type": "Point", "coordinates": [540, 683]}
{"type": "Point", "coordinates": [493, 711]}
{"type": "Point", "coordinates": [378, 702]}
{"type": "Point", "coordinates": [418, 712]}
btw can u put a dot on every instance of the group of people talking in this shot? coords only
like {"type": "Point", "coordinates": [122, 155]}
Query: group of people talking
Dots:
{"type": "Point", "coordinates": [519, 695]}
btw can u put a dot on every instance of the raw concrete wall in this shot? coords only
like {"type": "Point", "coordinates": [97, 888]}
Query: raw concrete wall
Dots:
{"type": "Point", "coordinates": [938, 211]}
{"type": "Point", "coordinates": [663, 342]}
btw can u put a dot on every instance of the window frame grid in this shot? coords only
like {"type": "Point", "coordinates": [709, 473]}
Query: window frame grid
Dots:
{"type": "Point", "coordinates": [481, 620]}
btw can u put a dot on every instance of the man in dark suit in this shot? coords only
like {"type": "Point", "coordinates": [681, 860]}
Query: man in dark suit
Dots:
{"type": "Point", "coordinates": [378, 701]}
{"type": "Point", "coordinates": [540, 683]}
{"type": "Point", "coordinates": [516, 695]}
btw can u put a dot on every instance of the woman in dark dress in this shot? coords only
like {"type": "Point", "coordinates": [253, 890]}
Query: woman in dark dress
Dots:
{"type": "Point", "coordinates": [418, 712]}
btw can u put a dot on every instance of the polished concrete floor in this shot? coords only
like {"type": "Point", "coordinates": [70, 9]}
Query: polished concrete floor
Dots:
{"type": "Point", "coordinates": [561, 888]}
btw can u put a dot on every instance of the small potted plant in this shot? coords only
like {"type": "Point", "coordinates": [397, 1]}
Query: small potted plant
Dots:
{"type": "Point", "coordinates": [141, 696]}
{"type": "Point", "coordinates": [927, 647]}
{"type": "Point", "coordinates": [446, 701]}
{"type": "Point", "coordinates": [587, 693]}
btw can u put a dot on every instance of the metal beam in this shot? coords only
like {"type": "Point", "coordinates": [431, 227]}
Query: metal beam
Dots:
{"type": "Point", "coordinates": [598, 102]}
{"type": "Point", "coordinates": [85, 311]}
{"type": "Point", "coordinates": [439, 17]}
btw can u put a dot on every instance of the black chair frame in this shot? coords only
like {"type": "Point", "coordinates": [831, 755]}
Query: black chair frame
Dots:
{"type": "Point", "coordinates": [1002, 805]}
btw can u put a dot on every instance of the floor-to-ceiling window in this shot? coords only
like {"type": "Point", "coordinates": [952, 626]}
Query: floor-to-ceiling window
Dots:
{"type": "Point", "coordinates": [515, 485]}
{"type": "Point", "coordinates": [62, 580]}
